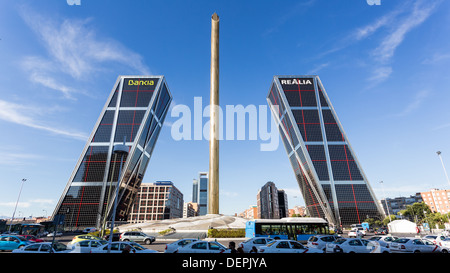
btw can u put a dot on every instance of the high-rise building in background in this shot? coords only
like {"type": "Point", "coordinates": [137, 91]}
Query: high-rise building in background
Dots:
{"type": "Point", "coordinates": [328, 173]}
{"type": "Point", "coordinates": [195, 191]}
{"type": "Point", "coordinates": [283, 207]}
{"type": "Point", "coordinates": [134, 111]}
{"type": "Point", "coordinates": [157, 201]}
{"type": "Point", "coordinates": [268, 202]}
{"type": "Point", "coordinates": [203, 190]}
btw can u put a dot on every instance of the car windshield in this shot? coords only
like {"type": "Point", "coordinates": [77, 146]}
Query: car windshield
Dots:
{"type": "Point", "coordinates": [271, 243]}
{"type": "Point", "coordinates": [59, 247]}
{"type": "Point", "coordinates": [340, 241]}
{"type": "Point", "coordinates": [137, 246]}
{"type": "Point", "coordinates": [401, 240]}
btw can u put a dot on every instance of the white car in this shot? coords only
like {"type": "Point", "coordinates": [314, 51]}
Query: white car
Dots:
{"type": "Point", "coordinates": [118, 247]}
{"type": "Point", "coordinates": [383, 240]}
{"type": "Point", "coordinates": [435, 238]}
{"type": "Point", "coordinates": [43, 248]}
{"type": "Point", "coordinates": [255, 242]}
{"type": "Point", "coordinates": [413, 245]}
{"type": "Point", "coordinates": [172, 247]}
{"type": "Point", "coordinates": [320, 241]}
{"type": "Point", "coordinates": [356, 233]}
{"type": "Point", "coordinates": [203, 247]}
{"type": "Point", "coordinates": [287, 246]}
{"type": "Point", "coordinates": [85, 246]}
{"type": "Point", "coordinates": [355, 245]}
{"type": "Point", "coordinates": [445, 245]}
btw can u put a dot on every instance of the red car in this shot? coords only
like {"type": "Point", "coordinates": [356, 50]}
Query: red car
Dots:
{"type": "Point", "coordinates": [32, 238]}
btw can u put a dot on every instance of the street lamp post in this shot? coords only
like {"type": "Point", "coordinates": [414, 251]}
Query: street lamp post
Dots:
{"type": "Point", "coordinates": [443, 166]}
{"type": "Point", "coordinates": [17, 202]}
{"type": "Point", "coordinates": [122, 150]}
{"type": "Point", "coordinates": [385, 201]}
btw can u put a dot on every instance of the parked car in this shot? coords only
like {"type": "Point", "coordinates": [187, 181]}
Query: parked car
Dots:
{"type": "Point", "coordinates": [356, 233]}
{"type": "Point", "coordinates": [11, 242]}
{"type": "Point", "coordinates": [85, 246]}
{"type": "Point", "coordinates": [137, 236]}
{"type": "Point", "coordinates": [435, 238]}
{"type": "Point", "coordinates": [89, 230]}
{"type": "Point", "coordinates": [43, 248]}
{"type": "Point", "coordinates": [445, 245]}
{"type": "Point", "coordinates": [355, 245]}
{"type": "Point", "coordinates": [172, 247]}
{"type": "Point", "coordinates": [383, 240]}
{"type": "Point", "coordinates": [116, 237]}
{"type": "Point", "coordinates": [381, 231]}
{"type": "Point", "coordinates": [287, 246]}
{"type": "Point", "coordinates": [118, 247]}
{"type": "Point", "coordinates": [80, 238]}
{"type": "Point", "coordinates": [413, 245]}
{"type": "Point", "coordinates": [320, 241]}
{"type": "Point", "coordinates": [32, 238]}
{"type": "Point", "coordinates": [203, 247]}
{"type": "Point", "coordinates": [255, 242]}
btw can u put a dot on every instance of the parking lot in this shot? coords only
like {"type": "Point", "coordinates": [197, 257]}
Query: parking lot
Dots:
{"type": "Point", "coordinates": [160, 243]}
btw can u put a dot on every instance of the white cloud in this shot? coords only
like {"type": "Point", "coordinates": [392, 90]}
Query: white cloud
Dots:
{"type": "Point", "coordinates": [74, 49]}
{"type": "Point", "coordinates": [29, 116]}
{"type": "Point", "coordinates": [418, 99]}
{"type": "Point", "coordinates": [420, 12]}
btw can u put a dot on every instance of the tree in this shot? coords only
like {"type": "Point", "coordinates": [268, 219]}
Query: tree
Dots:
{"type": "Point", "coordinates": [416, 212]}
{"type": "Point", "coordinates": [388, 219]}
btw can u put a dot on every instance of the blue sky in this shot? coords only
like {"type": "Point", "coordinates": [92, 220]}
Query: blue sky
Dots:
{"type": "Point", "coordinates": [385, 69]}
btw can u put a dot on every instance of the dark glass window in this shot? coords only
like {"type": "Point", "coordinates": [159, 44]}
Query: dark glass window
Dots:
{"type": "Point", "coordinates": [162, 101]}
{"type": "Point", "coordinates": [331, 127]}
{"type": "Point", "coordinates": [291, 136]}
{"type": "Point", "coordinates": [355, 203]}
{"type": "Point", "coordinates": [343, 164]}
{"type": "Point", "coordinates": [275, 100]}
{"type": "Point", "coordinates": [137, 92]}
{"type": "Point", "coordinates": [323, 101]}
{"type": "Point", "coordinates": [103, 133]}
{"type": "Point", "coordinates": [128, 124]}
{"type": "Point", "coordinates": [80, 205]}
{"type": "Point", "coordinates": [92, 167]}
{"type": "Point", "coordinates": [317, 154]}
{"type": "Point", "coordinates": [299, 92]}
{"type": "Point", "coordinates": [308, 124]}
{"type": "Point", "coordinates": [113, 101]}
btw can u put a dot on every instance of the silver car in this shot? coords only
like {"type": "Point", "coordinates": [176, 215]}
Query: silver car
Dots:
{"type": "Point", "coordinates": [137, 236]}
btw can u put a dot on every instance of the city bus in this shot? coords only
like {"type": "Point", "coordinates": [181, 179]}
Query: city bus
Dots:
{"type": "Point", "coordinates": [293, 228]}
{"type": "Point", "coordinates": [31, 229]}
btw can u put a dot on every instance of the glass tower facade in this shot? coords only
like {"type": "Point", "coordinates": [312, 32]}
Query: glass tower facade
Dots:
{"type": "Point", "coordinates": [328, 173]}
{"type": "Point", "coordinates": [134, 113]}
{"type": "Point", "coordinates": [203, 187]}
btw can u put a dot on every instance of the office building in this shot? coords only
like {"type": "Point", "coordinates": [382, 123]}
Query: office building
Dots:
{"type": "Point", "coordinates": [195, 191]}
{"type": "Point", "coordinates": [250, 213]}
{"type": "Point", "coordinates": [157, 201]}
{"type": "Point", "coordinates": [190, 209]}
{"type": "Point", "coordinates": [283, 207]}
{"type": "Point", "coordinates": [437, 200]}
{"type": "Point", "coordinates": [134, 112]}
{"type": "Point", "coordinates": [203, 186]}
{"type": "Point", "coordinates": [271, 202]}
{"type": "Point", "coordinates": [330, 177]}
{"type": "Point", "coordinates": [392, 206]}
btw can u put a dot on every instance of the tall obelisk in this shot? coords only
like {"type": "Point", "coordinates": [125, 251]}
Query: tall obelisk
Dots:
{"type": "Point", "coordinates": [213, 198]}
